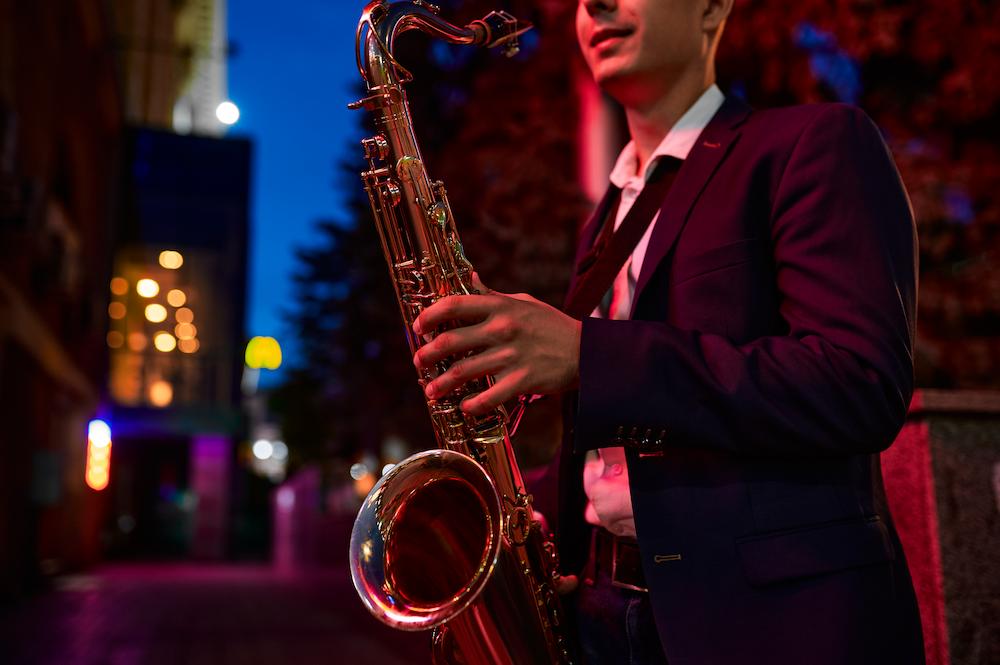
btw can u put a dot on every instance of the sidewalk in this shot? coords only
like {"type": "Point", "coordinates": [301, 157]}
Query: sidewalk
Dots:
{"type": "Point", "coordinates": [202, 614]}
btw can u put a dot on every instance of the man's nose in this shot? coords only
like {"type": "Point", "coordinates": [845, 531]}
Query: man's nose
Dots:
{"type": "Point", "coordinates": [598, 6]}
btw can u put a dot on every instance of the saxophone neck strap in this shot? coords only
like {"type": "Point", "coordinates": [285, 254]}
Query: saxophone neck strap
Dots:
{"type": "Point", "coordinates": [598, 268]}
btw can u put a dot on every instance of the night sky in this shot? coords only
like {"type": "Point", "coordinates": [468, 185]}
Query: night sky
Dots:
{"type": "Point", "coordinates": [292, 76]}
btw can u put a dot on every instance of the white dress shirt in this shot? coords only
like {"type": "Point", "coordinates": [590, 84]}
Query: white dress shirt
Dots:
{"type": "Point", "coordinates": [605, 475]}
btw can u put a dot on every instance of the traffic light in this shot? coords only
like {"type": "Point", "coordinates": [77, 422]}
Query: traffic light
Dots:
{"type": "Point", "coordinates": [98, 471]}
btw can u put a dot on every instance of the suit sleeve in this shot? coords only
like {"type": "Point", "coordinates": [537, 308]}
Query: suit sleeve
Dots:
{"type": "Point", "coordinates": [839, 381]}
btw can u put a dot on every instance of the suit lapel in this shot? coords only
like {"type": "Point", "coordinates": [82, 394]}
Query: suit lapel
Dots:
{"type": "Point", "coordinates": [711, 148]}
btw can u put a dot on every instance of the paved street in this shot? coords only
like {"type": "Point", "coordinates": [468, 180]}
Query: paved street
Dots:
{"type": "Point", "coordinates": [202, 614]}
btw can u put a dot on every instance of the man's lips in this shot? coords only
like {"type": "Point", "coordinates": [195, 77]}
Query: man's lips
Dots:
{"type": "Point", "coordinates": [604, 34]}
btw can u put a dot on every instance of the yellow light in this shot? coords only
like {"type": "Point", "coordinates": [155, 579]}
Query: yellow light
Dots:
{"type": "Point", "coordinates": [176, 297]}
{"type": "Point", "coordinates": [164, 341]}
{"type": "Point", "coordinates": [136, 341]}
{"type": "Point", "coordinates": [263, 353]}
{"type": "Point", "coordinates": [147, 288]}
{"type": "Point", "coordinates": [119, 286]}
{"type": "Point", "coordinates": [184, 315]}
{"type": "Point", "coordinates": [171, 260]}
{"type": "Point", "coordinates": [115, 339]}
{"type": "Point", "coordinates": [116, 310]}
{"type": "Point", "coordinates": [161, 393]}
{"type": "Point", "coordinates": [98, 470]}
{"type": "Point", "coordinates": [185, 331]}
{"type": "Point", "coordinates": [188, 345]}
{"type": "Point", "coordinates": [156, 313]}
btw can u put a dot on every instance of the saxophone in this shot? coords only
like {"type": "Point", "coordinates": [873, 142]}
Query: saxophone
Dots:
{"type": "Point", "coordinates": [446, 540]}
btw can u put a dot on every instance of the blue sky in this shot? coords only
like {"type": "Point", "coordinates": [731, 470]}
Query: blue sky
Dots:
{"type": "Point", "coordinates": [292, 76]}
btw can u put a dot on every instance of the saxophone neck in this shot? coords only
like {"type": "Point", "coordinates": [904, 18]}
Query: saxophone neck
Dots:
{"type": "Point", "coordinates": [382, 21]}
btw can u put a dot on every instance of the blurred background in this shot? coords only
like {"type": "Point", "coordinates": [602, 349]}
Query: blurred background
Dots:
{"type": "Point", "coordinates": [202, 368]}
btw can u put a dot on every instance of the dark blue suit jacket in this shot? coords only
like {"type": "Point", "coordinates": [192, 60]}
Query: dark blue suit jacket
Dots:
{"type": "Point", "coordinates": [767, 363]}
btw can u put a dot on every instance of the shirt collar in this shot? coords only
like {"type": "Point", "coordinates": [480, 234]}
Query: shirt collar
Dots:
{"type": "Point", "coordinates": [678, 141]}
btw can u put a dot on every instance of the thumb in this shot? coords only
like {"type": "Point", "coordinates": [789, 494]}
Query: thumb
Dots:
{"type": "Point", "coordinates": [566, 584]}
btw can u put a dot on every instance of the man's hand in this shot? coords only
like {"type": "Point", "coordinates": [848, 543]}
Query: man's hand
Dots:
{"type": "Point", "coordinates": [527, 346]}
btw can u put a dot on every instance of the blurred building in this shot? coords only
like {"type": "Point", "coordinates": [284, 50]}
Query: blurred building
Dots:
{"type": "Point", "coordinates": [177, 294]}
{"type": "Point", "coordinates": [175, 335]}
{"type": "Point", "coordinates": [173, 59]}
{"type": "Point", "coordinates": [60, 136]}
{"type": "Point", "coordinates": [83, 200]}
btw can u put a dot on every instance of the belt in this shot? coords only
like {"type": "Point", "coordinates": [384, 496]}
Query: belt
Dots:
{"type": "Point", "coordinates": [619, 557]}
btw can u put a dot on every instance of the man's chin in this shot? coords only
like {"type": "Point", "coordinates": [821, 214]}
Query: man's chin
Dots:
{"type": "Point", "coordinates": [619, 84]}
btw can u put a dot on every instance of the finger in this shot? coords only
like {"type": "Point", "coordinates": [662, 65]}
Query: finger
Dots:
{"type": "Point", "coordinates": [468, 369]}
{"type": "Point", "coordinates": [453, 308]}
{"type": "Point", "coordinates": [507, 387]}
{"type": "Point", "coordinates": [566, 584]}
{"type": "Point", "coordinates": [453, 342]}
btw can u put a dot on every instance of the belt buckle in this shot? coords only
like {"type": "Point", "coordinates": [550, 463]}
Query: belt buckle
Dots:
{"type": "Point", "coordinates": [614, 570]}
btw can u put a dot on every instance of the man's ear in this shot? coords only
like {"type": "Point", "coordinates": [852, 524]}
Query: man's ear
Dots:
{"type": "Point", "coordinates": [715, 14]}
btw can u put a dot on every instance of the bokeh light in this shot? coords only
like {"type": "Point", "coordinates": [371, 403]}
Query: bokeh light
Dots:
{"type": "Point", "coordinates": [227, 113]}
{"type": "Point", "coordinates": [115, 339]}
{"type": "Point", "coordinates": [147, 288]}
{"type": "Point", "coordinates": [280, 450]}
{"type": "Point", "coordinates": [161, 393]}
{"type": "Point", "coordinates": [184, 315]}
{"type": "Point", "coordinates": [165, 342]}
{"type": "Point", "coordinates": [116, 310]}
{"type": "Point", "coordinates": [263, 353]}
{"type": "Point", "coordinates": [176, 297]}
{"type": "Point", "coordinates": [263, 449]}
{"type": "Point", "coordinates": [119, 286]}
{"type": "Point", "coordinates": [136, 341]}
{"type": "Point", "coordinates": [171, 260]}
{"type": "Point", "coordinates": [99, 433]}
{"type": "Point", "coordinates": [188, 345]}
{"type": "Point", "coordinates": [156, 313]}
{"type": "Point", "coordinates": [185, 331]}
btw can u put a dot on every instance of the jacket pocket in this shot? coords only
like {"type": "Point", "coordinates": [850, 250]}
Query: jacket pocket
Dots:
{"type": "Point", "coordinates": [814, 550]}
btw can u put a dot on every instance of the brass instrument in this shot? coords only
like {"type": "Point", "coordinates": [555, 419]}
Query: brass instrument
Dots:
{"type": "Point", "coordinates": [446, 539]}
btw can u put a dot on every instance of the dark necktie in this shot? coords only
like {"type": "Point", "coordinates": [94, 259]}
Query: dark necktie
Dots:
{"type": "Point", "coordinates": [599, 267]}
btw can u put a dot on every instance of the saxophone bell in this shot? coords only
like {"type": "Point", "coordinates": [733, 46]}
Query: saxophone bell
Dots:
{"type": "Point", "coordinates": [427, 540]}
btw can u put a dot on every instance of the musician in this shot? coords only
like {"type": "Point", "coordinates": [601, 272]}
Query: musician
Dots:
{"type": "Point", "coordinates": [721, 495]}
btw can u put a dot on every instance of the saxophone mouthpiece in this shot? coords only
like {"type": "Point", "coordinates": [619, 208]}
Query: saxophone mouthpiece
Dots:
{"type": "Point", "coordinates": [499, 29]}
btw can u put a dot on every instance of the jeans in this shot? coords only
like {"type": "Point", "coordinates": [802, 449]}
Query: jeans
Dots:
{"type": "Point", "coordinates": [616, 625]}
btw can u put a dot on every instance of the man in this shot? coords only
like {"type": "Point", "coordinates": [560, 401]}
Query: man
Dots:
{"type": "Point", "coordinates": [734, 390]}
